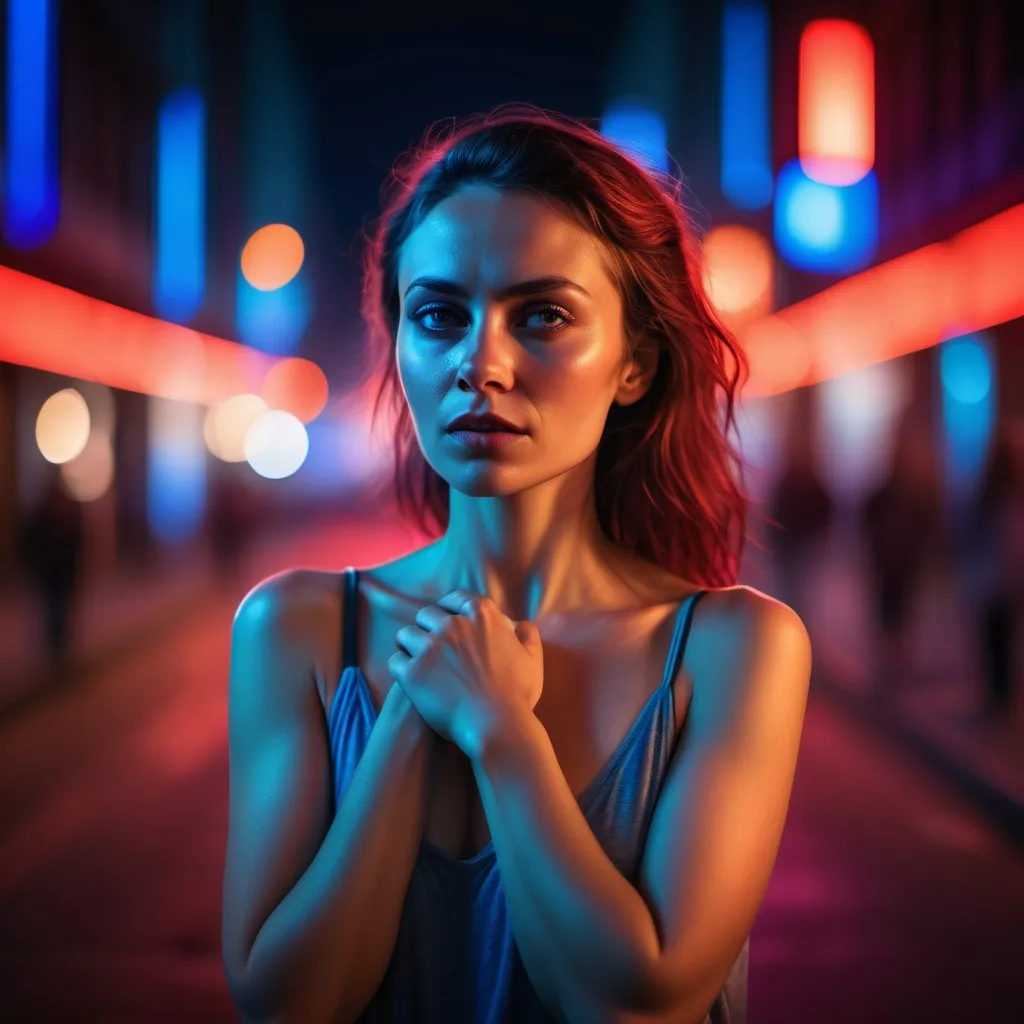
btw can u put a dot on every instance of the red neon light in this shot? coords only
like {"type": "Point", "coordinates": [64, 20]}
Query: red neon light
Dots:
{"type": "Point", "coordinates": [836, 102]}
{"type": "Point", "coordinates": [51, 328]}
{"type": "Point", "coordinates": [967, 283]}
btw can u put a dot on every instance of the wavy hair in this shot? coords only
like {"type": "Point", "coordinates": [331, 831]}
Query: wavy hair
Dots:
{"type": "Point", "coordinates": [667, 477]}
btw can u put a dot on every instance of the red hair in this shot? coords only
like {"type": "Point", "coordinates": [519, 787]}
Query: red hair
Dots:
{"type": "Point", "coordinates": [666, 478]}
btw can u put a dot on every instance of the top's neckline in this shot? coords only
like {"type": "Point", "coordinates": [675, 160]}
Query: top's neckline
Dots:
{"type": "Point", "coordinates": [584, 800]}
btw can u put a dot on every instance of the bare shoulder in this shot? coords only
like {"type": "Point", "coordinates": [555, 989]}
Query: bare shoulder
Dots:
{"type": "Point", "coordinates": [290, 602]}
{"type": "Point", "coordinates": [295, 614]}
{"type": "Point", "coordinates": [745, 648]}
{"type": "Point", "coordinates": [742, 611]}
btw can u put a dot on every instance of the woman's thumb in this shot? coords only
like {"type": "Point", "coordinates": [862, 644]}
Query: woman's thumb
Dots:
{"type": "Point", "coordinates": [529, 634]}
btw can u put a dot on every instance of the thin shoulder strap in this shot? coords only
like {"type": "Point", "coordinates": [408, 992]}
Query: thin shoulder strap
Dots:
{"type": "Point", "coordinates": [349, 654]}
{"type": "Point", "coordinates": [679, 637]}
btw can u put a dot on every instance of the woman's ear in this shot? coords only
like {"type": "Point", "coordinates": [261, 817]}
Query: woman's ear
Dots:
{"type": "Point", "coordinates": [637, 373]}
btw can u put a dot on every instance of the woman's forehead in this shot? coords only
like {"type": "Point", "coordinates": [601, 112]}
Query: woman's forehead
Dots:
{"type": "Point", "coordinates": [481, 239]}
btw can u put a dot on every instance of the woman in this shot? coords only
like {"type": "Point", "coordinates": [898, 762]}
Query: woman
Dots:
{"type": "Point", "coordinates": [531, 827]}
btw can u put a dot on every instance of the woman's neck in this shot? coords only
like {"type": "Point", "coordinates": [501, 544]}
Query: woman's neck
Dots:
{"type": "Point", "coordinates": [528, 560]}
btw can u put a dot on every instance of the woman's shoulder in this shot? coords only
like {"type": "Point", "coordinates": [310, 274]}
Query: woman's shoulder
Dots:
{"type": "Point", "coordinates": [288, 594]}
{"type": "Point", "coordinates": [306, 607]}
{"type": "Point", "coordinates": [297, 612]}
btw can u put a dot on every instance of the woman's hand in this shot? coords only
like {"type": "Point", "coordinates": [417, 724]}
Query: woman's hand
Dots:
{"type": "Point", "coordinates": [465, 666]}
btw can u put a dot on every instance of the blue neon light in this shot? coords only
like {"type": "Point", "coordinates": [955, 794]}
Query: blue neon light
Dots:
{"type": "Point", "coordinates": [272, 321]}
{"type": "Point", "coordinates": [746, 149]}
{"type": "Point", "coordinates": [31, 200]}
{"type": "Point", "coordinates": [639, 130]}
{"type": "Point", "coordinates": [179, 275]}
{"type": "Point", "coordinates": [175, 473]}
{"type": "Point", "coordinates": [826, 229]}
{"type": "Point", "coordinates": [966, 370]}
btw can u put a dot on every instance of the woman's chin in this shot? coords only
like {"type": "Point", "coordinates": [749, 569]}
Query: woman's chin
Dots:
{"type": "Point", "coordinates": [486, 481]}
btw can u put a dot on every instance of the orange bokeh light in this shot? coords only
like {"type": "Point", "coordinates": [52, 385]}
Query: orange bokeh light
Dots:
{"type": "Point", "coordinates": [272, 256]}
{"type": "Point", "coordinates": [738, 272]}
{"type": "Point", "coordinates": [836, 102]}
{"type": "Point", "coordinates": [297, 386]}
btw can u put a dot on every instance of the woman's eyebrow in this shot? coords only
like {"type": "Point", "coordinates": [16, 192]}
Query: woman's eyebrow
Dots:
{"type": "Point", "coordinates": [540, 284]}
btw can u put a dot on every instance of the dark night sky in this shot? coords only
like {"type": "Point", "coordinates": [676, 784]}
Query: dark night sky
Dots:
{"type": "Point", "coordinates": [383, 72]}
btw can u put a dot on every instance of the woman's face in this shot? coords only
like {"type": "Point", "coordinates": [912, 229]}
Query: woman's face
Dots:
{"type": "Point", "coordinates": [550, 360]}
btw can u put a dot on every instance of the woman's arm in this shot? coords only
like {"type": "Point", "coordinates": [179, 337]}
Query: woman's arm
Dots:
{"type": "Point", "coordinates": [311, 905]}
{"type": "Point", "coordinates": [598, 950]}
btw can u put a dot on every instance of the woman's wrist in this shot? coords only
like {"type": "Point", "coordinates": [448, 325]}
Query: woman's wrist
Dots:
{"type": "Point", "coordinates": [398, 704]}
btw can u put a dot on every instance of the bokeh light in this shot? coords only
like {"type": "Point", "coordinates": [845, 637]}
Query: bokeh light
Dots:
{"type": "Point", "coordinates": [636, 128]}
{"type": "Point", "coordinates": [272, 256]}
{"type": "Point", "coordinates": [738, 271]}
{"type": "Point", "coordinates": [273, 321]}
{"type": "Point", "coordinates": [179, 267]}
{"type": "Point", "coordinates": [967, 371]}
{"type": "Point", "coordinates": [746, 103]}
{"type": "Point", "coordinates": [836, 102]}
{"type": "Point", "coordinates": [227, 423]}
{"type": "Point", "coordinates": [31, 166]}
{"type": "Point", "coordinates": [89, 475]}
{"type": "Point", "coordinates": [859, 414]}
{"type": "Point", "coordinates": [176, 470]}
{"type": "Point", "coordinates": [825, 229]}
{"type": "Point", "coordinates": [298, 386]}
{"type": "Point", "coordinates": [965, 368]}
{"type": "Point", "coordinates": [62, 426]}
{"type": "Point", "coordinates": [779, 356]}
{"type": "Point", "coordinates": [276, 444]}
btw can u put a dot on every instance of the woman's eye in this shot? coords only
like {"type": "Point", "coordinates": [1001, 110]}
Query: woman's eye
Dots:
{"type": "Point", "coordinates": [549, 311]}
{"type": "Point", "coordinates": [424, 315]}
{"type": "Point", "coordinates": [434, 318]}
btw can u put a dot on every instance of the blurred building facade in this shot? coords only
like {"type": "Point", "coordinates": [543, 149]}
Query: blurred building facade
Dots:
{"type": "Point", "coordinates": [114, 64]}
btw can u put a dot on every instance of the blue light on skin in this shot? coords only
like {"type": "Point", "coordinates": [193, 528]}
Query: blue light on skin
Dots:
{"type": "Point", "coordinates": [639, 130]}
{"type": "Point", "coordinates": [966, 372]}
{"type": "Point", "coordinates": [272, 321]}
{"type": "Point", "coordinates": [31, 186]}
{"type": "Point", "coordinates": [179, 277]}
{"type": "Point", "coordinates": [825, 229]}
{"type": "Point", "coordinates": [746, 150]}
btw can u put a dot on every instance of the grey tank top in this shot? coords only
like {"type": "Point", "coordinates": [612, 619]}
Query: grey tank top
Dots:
{"type": "Point", "coordinates": [455, 958]}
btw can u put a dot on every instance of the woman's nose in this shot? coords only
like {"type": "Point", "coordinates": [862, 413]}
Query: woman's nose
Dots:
{"type": "Point", "coordinates": [487, 357]}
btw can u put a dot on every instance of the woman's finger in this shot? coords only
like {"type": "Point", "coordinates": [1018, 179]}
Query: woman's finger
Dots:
{"type": "Point", "coordinates": [412, 639]}
{"type": "Point", "coordinates": [459, 602]}
{"type": "Point", "coordinates": [431, 617]}
{"type": "Point", "coordinates": [398, 665]}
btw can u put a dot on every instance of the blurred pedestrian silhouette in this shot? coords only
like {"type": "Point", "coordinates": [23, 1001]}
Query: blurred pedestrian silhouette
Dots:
{"type": "Point", "coordinates": [801, 510]}
{"type": "Point", "coordinates": [52, 547]}
{"type": "Point", "coordinates": [904, 534]}
{"type": "Point", "coordinates": [995, 554]}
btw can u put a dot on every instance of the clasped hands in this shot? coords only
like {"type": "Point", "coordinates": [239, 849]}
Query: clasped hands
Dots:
{"type": "Point", "coordinates": [466, 667]}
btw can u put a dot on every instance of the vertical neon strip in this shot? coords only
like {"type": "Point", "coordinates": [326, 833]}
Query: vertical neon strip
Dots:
{"type": "Point", "coordinates": [967, 372]}
{"type": "Point", "coordinates": [31, 205]}
{"type": "Point", "coordinates": [836, 102]}
{"type": "Point", "coordinates": [180, 266]}
{"type": "Point", "coordinates": [746, 146]}
{"type": "Point", "coordinates": [176, 470]}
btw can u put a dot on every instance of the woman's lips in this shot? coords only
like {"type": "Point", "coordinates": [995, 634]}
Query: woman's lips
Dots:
{"type": "Point", "coordinates": [485, 439]}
